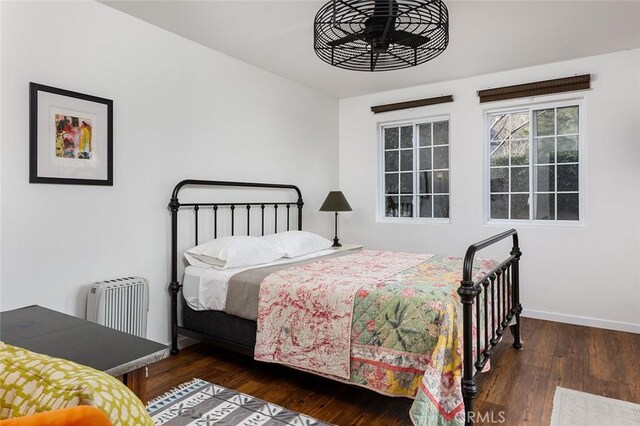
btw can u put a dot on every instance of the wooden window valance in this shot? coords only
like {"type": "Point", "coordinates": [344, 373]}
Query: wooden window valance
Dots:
{"type": "Point", "coordinates": [547, 87]}
{"type": "Point", "coordinates": [412, 104]}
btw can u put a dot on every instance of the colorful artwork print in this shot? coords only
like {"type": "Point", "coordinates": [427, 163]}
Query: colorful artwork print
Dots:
{"type": "Point", "coordinates": [73, 137]}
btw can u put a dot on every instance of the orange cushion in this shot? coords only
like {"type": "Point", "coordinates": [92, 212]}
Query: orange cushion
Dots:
{"type": "Point", "coordinates": [82, 415]}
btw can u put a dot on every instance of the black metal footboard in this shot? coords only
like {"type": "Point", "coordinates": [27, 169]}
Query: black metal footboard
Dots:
{"type": "Point", "coordinates": [491, 303]}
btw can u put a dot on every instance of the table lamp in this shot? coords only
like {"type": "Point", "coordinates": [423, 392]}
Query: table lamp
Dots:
{"type": "Point", "coordinates": [335, 202]}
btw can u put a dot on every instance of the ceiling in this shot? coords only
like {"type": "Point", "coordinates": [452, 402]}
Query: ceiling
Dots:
{"type": "Point", "coordinates": [485, 37]}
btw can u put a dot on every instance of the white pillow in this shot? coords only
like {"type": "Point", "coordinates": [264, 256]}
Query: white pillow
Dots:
{"type": "Point", "coordinates": [233, 252]}
{"type": "Point", "coordinates": [298, 243]}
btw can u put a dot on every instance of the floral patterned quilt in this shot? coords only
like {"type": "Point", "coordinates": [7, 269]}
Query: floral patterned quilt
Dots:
{"type": "Point", "coordinates": [405, 332]}
{"type": "Point", "coordinates": [305, 312]}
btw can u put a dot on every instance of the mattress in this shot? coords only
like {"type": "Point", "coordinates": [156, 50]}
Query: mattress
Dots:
{"type": "Point", "coordinates": [206, 288]}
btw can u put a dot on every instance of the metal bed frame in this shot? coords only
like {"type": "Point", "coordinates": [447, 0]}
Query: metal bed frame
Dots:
{"type": "Point", "coordinates": [497, 292]}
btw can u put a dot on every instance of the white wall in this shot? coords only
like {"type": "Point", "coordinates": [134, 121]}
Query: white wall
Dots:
{"type": "Point", "coordinates": [181, 111]}
{"type": "Point", "coordinates": [589, 274]}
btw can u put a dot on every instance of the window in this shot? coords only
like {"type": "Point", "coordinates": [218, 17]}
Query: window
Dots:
{"type": "Point", "coordinates": [534, 168]}
{"type": "Point", "coordinates": [415, 169]}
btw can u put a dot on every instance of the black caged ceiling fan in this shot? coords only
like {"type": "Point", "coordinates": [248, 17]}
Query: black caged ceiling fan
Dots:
{"type": "Point", "coordinates": [380, 35]}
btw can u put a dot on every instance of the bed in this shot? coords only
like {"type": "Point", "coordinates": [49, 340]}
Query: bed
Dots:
{"type": "Point", "coordinates": [401, 324]}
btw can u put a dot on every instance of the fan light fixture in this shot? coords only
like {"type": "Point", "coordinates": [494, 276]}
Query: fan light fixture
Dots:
{"type": "Point", "coordinates": [380, 35]}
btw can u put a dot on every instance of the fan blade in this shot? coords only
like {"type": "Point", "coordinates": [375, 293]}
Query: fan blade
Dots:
{"type": "Point", "coordinates": [346, 39]}
{"type": "Point", "coordinates": [408, 39]}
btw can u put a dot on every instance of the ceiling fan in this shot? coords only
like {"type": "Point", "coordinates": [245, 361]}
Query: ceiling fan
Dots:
{"type": "Point", "coordinates": [380, 35]}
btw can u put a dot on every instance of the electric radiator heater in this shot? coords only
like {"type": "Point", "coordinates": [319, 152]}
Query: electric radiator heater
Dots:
{"type": "Point", "coordinates": [122, 304]}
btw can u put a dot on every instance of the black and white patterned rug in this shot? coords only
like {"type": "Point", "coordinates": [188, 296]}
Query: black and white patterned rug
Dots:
{"type": "Point", "coordinates": [201, 403]}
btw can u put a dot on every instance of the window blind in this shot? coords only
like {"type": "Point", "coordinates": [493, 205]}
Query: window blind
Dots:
{"type": "Point", "coordinates": [412, 104]}
{"type": "Point", "coordinates": [547, 87]}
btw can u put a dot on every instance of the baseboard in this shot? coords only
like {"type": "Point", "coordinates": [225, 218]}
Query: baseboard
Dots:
{"type": "Point", "coordinates": [184, 342]}
{"type": "Point", "coordinates": [578, 320]}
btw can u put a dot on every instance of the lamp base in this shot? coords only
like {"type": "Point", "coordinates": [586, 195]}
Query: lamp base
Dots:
{"type": "Point", "coordinates": [336, 242]}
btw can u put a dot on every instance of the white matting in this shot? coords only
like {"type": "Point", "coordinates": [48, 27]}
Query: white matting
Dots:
{"type": "Point", "coordinates": [573, 408]}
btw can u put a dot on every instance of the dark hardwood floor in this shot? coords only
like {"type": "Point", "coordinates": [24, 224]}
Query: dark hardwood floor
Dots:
{"type": "Point", "coordinates": [520, 384]}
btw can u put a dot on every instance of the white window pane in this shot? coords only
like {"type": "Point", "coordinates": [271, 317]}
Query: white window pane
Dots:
{"type": "Point", "coordinates": [441, 133]}
{"type": "Point", "coordinates": [425, 206]}
{"type": "Point", "coordinates": [568, 207]}
{"type": "Point", "coordinates": [441, 157]}
{"type": "Point", "coordinates": [441, 206]}
{"type": "Point", "coordinates": [391, 183]}
{"type": "Point", "coordinates": [567, 178]}
{"type": "Point", "coordinates": [545, 179]}
{"type": "Point", "coordinates": [425, 159]}
{"type": "Point", "coordinates": [499, 130]}
{"type": "Point", "coordinates": [545, 150]}
{"type": "Point", "coordinates": [406, 137]}
{"type": "Point", "coordinates": [519, 152]}
{"type": "Point", "coordinates": [409, 157]}
{"type": "Point", "coordinates": [500, 153]}
{"type": "Point", "coordinates": [406, 206]}
{"type": "Point", "coordinates": [545, 122]}
{"type": "Point", "coordinates": [500, 179]}
{"type": "Point", "coordinates": [424, 182]}
{"type": "Point", "coordinates": [520, 179]}
{"type": "Point", "coordinates": [519, 126]}
{"type": "Point", "coordinates": [406, 183]}
{"type": "Point", "coordinates": [519, 206]}
{"type": "Point", "coordinates": [545, 206]}
{"type": "Point", "coordinates": [391, 161]}
{"type": "Point", "coordinates": [441, 182]}
{"type": "Point", "coordinates": [567, 120]}
{"type": "Point", "coordinates": [554, 172]}
{"type": "Point", "coordinates": [391, 206]}
{"type": "Point", "coordinates": [499, 206]}
{"type": "Point", "coordinates": [391, 138]}
{"type": "Point", "coordinates": [567, 149]}
{"type": "Point", "coordinates": [406, 160]}
{"type": "Point", "coordinates": [424, 134]}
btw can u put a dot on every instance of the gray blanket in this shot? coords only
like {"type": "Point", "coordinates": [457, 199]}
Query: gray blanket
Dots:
{"type": "Point", "coordinates": [244, 287]}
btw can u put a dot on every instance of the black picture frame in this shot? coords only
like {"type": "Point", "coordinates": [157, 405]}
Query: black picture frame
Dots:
{"type": "Point", "coordinates": [39, 140]}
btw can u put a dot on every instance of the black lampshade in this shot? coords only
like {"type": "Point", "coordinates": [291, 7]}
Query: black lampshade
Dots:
{"type": "Point", "coordinates": [335, 202]}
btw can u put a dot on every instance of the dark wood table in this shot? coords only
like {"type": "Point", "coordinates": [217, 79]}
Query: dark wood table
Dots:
{"type": "Point", "coordinates": [59, 335]}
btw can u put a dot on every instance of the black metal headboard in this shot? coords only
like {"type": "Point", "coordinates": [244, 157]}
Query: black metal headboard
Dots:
{"type": "Point", "coordinates": [175, 205]}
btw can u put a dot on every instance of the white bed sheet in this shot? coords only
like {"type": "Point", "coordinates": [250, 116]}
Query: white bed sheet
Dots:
{"type": "Point", "coordinates": [206, 288]}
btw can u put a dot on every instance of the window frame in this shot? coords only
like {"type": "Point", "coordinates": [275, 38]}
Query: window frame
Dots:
{"type": "Point", "coordinates": [530, 107]}
{"type": "Point", "coordinates": [380, 196]}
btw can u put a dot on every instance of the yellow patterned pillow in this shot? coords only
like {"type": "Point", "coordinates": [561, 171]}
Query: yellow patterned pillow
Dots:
{"type": "Point", "coordinates": [32, 383]}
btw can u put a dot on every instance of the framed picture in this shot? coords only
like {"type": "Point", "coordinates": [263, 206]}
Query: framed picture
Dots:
{"type": "Point", "coordinates": [71, 137]}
